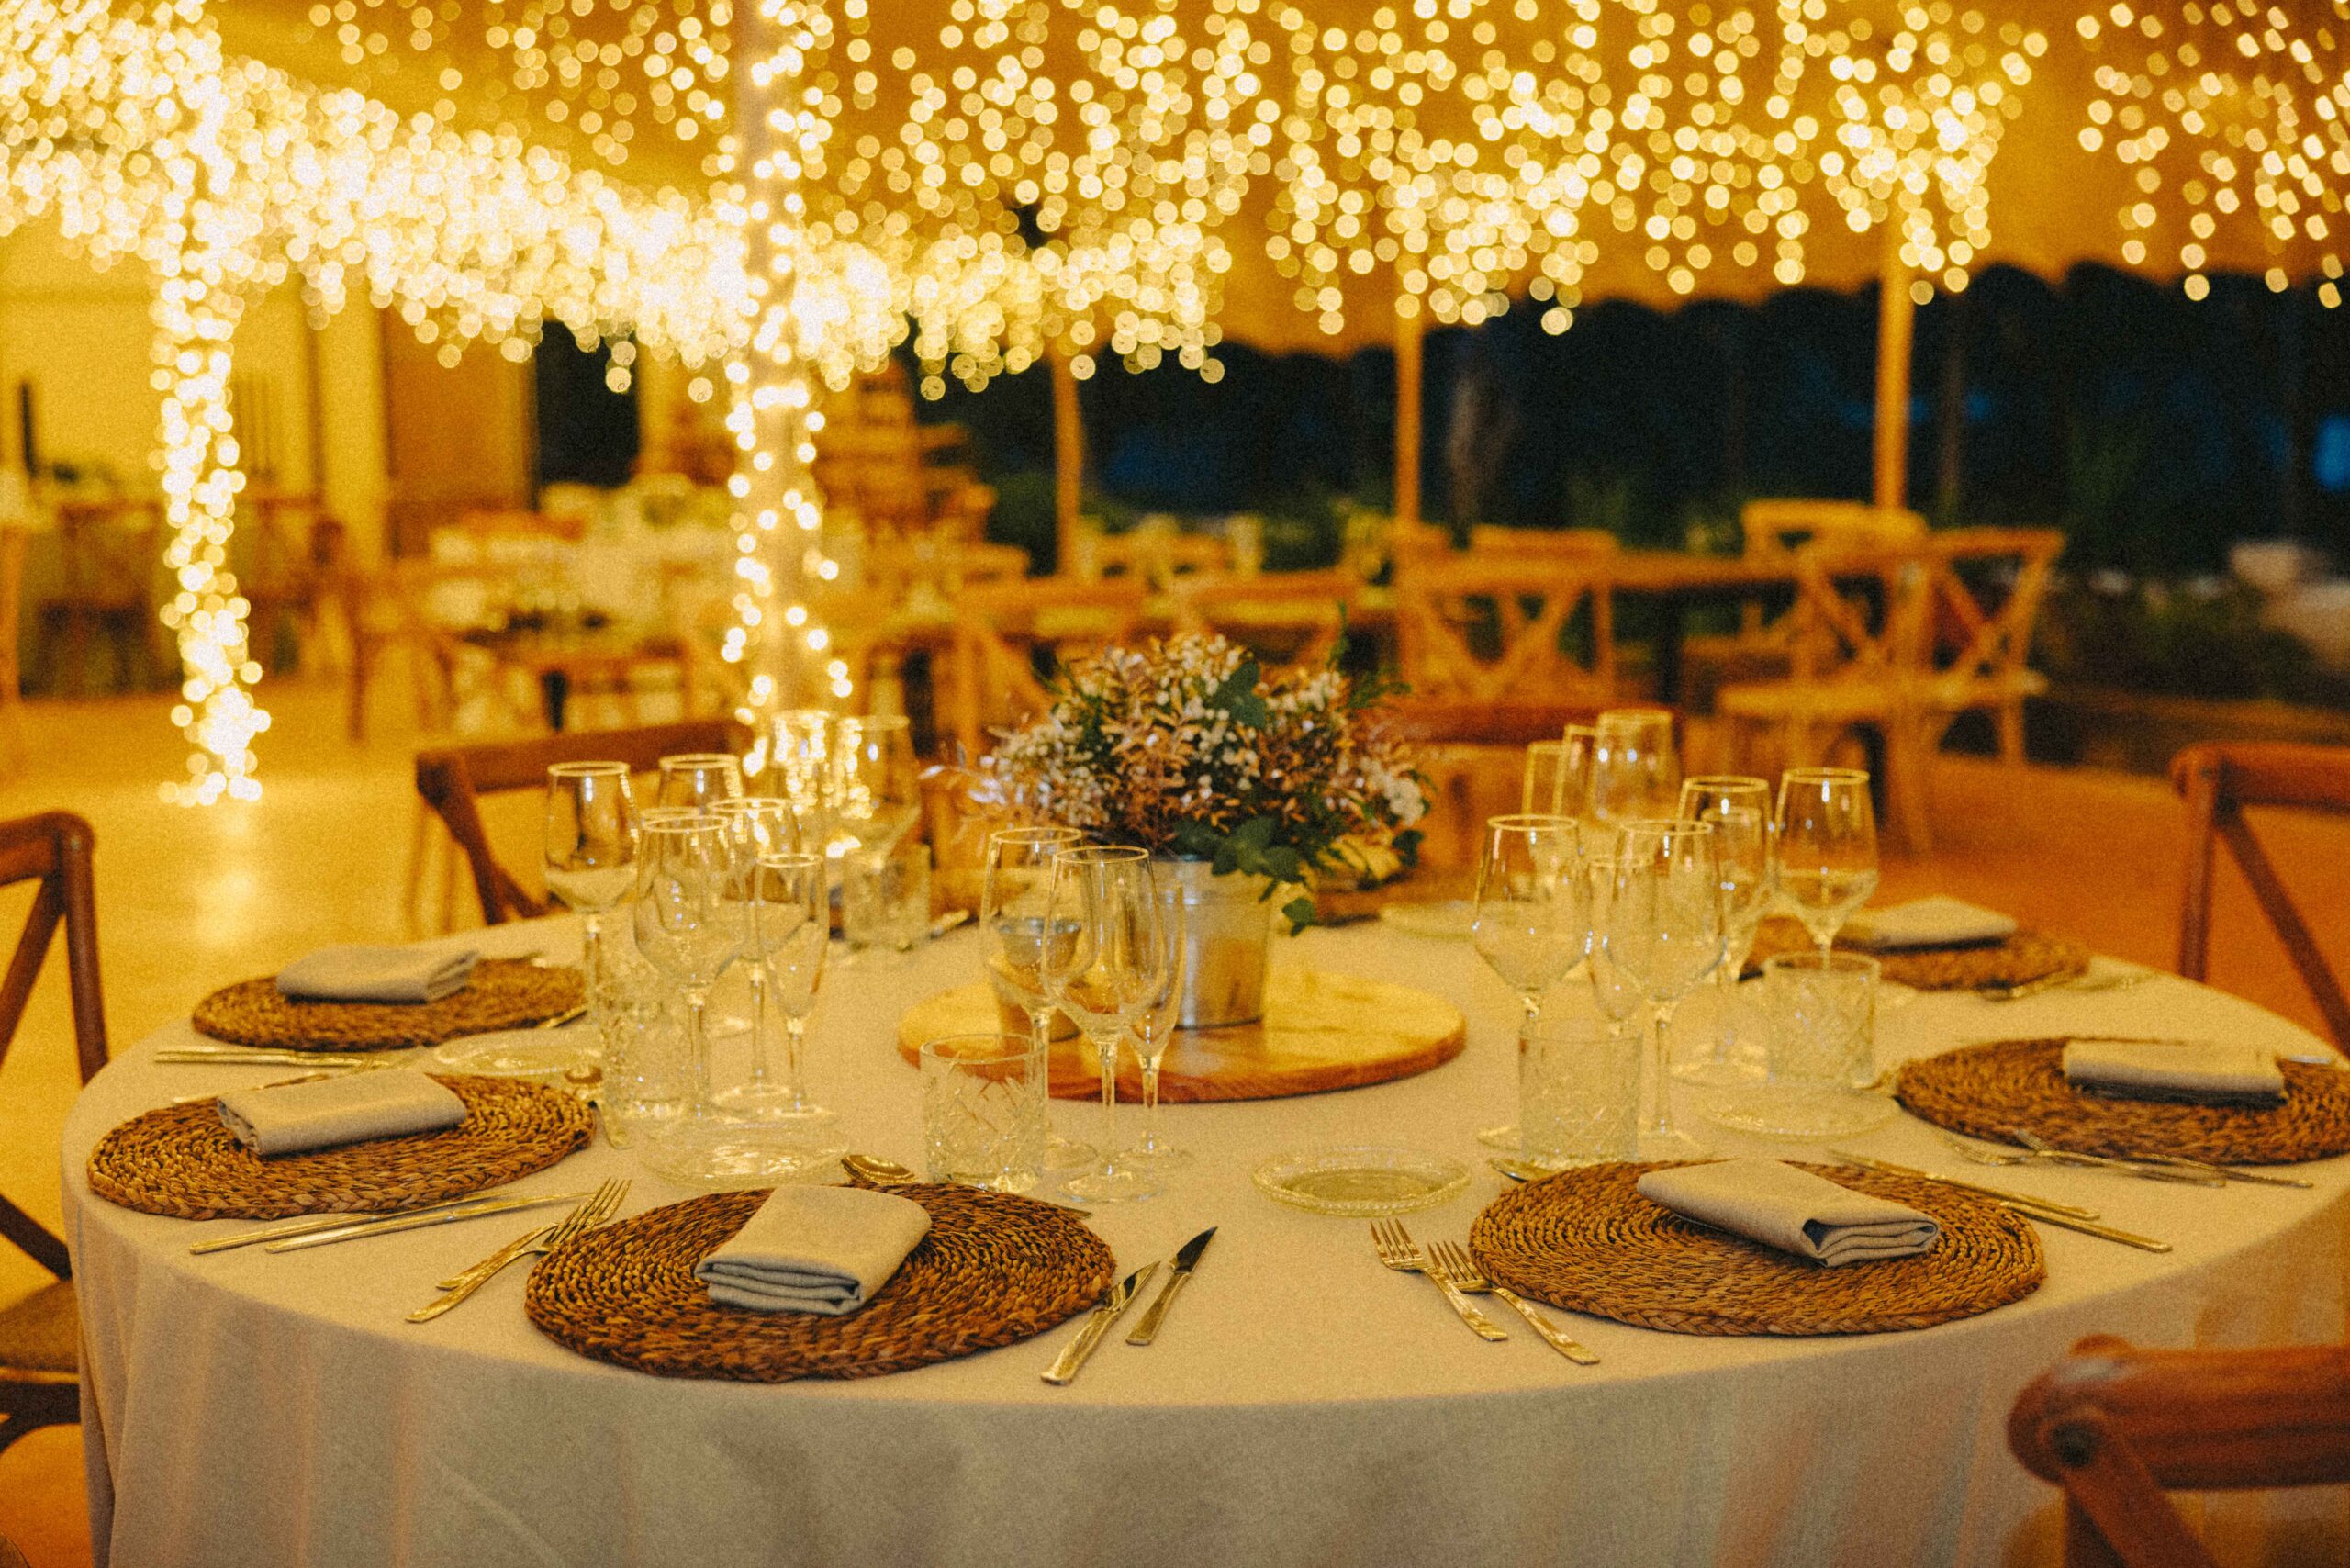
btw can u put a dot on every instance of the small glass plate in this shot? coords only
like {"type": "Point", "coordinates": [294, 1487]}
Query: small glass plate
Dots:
{"type": "Point", "coordinates": [1450, 919]}
{"type": "Point", "coordinates": [1360, 1183]}
{"type": "Point", "coordinates": [541, 1054]}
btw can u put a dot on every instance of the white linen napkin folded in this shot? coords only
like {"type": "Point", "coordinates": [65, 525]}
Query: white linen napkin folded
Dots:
{"type": "Point", "coordinates": [352, 1108]}
{"type": "Point", "coordinates": [1937, 922]}
{"type": "Point", "coordinates": [824, 1249]}
{"type": "Point", "coordinates": [1794, 1211]}
{"type": "Point", "coordinates": [2175, 1069]}
{"type": "Point", "coordinates": [356, 973]}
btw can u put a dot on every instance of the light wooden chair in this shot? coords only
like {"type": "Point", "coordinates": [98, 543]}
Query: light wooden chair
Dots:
{"type": "Point", "coordinates": [1160, 557]}
{"type": "Point", "coordinates": [1540, 630]}
{"type": "Point", "coordinates": [1776, 532]}
{"type": "Point", "coordinates": [395, 606]}
{"type": "Point", "coordinates": [1473, 757]}
{"type": "Point", "coordinates": [1545, 543]}
{"type": "Point", "coordinates": [2218, 781]}
{"type": "Point", "coordinates": [1003, 630]}
{"type": "Point", "coordinates": [40, 1333]}
{"type": "Point", "coordinates": [2116, 1428]}
{"type": "Point", "coordinates": [110, 555]}
{"type": "Point", "coordinates": [1296, 618]}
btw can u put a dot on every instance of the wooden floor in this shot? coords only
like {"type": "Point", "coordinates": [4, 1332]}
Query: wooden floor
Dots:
{"type": "Point", "coordinates": [189, 899]}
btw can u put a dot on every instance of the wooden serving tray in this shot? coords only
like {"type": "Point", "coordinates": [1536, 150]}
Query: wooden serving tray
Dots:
{"type": "Point", "coordinates": [1321, 1031]}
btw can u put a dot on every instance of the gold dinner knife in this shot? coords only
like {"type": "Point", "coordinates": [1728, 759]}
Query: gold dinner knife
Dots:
{"type": "Point", "coordinates": [1186, 1260]}
{"type": "Point", "coordinates": [358, 1229]}
{"type": "Point", "coordinates": [1064, 1369]}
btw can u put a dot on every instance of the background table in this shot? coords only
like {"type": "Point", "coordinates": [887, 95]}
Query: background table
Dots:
{"type": "Point", "coordinates": [1304, 1405]}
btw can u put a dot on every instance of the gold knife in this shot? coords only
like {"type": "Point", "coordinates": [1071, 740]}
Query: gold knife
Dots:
{"type": "Point", "coordinates": [1065, 1366]}
{"type": "Point", "coordinates": [1186, 1260]}
{"type": "Point", "coordinates": [418, 1221]}
{"type": "Point", "coordinates": [328, 1221]}
{"type": "Point", "coordinates": [2063, 1216]}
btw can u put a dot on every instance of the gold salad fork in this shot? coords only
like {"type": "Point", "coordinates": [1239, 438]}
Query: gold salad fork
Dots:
{"type": "Point", "coordinates": [1462, 1270]}
{"type": "Point", "coordinates": [1399, 1251]}
{"type": "Point", "coordinates": [596, 1210]}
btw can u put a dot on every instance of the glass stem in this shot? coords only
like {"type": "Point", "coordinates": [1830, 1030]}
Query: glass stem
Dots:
{"type": "Point", "coordinates": [1150, 1061]}
{"type": "Point", "coordinates": [591, 969]}
{"type": "Point", "coordinates": [698, 1048]}
{"type": "Point", "coordinates": [1660, 1115]}
{"type": "Point", "coordinates": [759, 1057]}
{"type": "Point", "coordinates": [795, 1059]}
{"type": "Point", "coordinates": [1106, 1049]}
{"type": "Point", "coordinates": [1734, 956]}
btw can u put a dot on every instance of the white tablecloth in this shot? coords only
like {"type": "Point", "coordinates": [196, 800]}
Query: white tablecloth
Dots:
{"type": "Point", "coordinates": [1304, 1406]}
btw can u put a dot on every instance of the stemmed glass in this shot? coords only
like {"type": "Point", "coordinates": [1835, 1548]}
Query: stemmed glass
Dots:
{"type": "Point", "coordinates": [1103, 961]}
{"type": "Point", "coordinates": [1532, 922]}
{"type": "Point", "coordinates": [1558, 774]}
{"type": "Point", "coordinates": [755, 827]}
{"type": "Point", "coordinates": [1634, 772]}
{"type": "Point", "coordinates": [590, 841]}
{"type": "Point", "coordinates": [698, 777]}
{"type": "Point", "coordinates": [1826, 848]}
{"type": "Point", "coordinates": [1015, 898]}
{"type": "Point", "coordinates": [1664, 933]}
{"type": "Point", "coordinates": [1739, 811]}
{"type": "Point", "coordinates": [877, 784]}
{"type": "Point", "coordinates": [792, 922]}
{"type": "Point", "coordinates": [799, 769]}
{"type": "Point", "coordinates": [1155, 1031]}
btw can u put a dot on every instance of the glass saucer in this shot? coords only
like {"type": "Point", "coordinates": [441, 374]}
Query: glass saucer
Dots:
{"type": "Point", "coordinates": [1803, 1113]}
{"type": "Point", "coordinates": [1362, 1181]}
{"type": "Point", "coordinates": [545, 1054]}
{"type": "Point", "coordinates": [716, 1156]}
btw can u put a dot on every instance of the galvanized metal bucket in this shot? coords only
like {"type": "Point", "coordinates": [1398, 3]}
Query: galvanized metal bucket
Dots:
{"type": "Point", "coordinates": [1227, 923]}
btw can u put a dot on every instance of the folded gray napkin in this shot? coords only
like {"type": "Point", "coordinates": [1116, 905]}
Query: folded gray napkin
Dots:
{"type": "Point", "coordinates": [2207, 1071]}
{"type": "Point", "coordinates": [1937, 922]}
{"type": "Point", "coordinates": [824, 1249]}
{"type": "Point", "coordinates": [370, 1102]}
{"type": "Point", "coordinates": [376, 974]}
{"type": "Point", "coordinates": [1794, 1211]}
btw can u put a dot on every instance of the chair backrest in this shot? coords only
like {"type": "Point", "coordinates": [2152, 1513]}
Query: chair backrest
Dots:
{"type": "Point", "coordinates": [1859, 614]}
{"type": "Point", "coordinates": [485, 523]}
{"type": "Point", "coordinates": [453, 779]}
{"type": "Point", "coordinates": [1485, 539]}
{"type": "Point", "coordinates": [1155, 554]}
{"type": "Point", "coordinates": [1494, 630]}
{"type": "Point", "coordinates": [1001, 628]}
{"type": "Point", "coordinates": [53, 849]}
{"type": "Point", "coordinates": [1982, 630]}
{"type": "Point", "coordinates": [1781, 527]}
{"type": "Point", "coordinates": [2218, 780]}
{"type": "Point", "coordinates": [2117, 1427]}
{"type": "Point", "coordinates": [1472, 758]}
{"type": "Point", "coordinates": [1313, 603]}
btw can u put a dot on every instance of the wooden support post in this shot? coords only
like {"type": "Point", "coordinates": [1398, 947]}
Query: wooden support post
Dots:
{"type": "Point", "coordinates": [1069, 460]}
{"type": "Point", "coordinates": [1896, 315]}
{"type": "Point", "coordinates": [1407, 412]}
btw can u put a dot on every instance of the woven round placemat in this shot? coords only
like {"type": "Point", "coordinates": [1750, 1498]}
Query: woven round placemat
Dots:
{"type": "Point", "coordinates": [1587, 1241]}
{"type": "Point", "coordinates": [1988, 1090]}
{"type": "Point", "coordinates": [504, 993]}
{"type": "Point", "coordinates": [179, 1159]}
{"type": "Point", "coordinates": [994, 1269]}
{"type": "Point", "coordinates": [2025, 956]}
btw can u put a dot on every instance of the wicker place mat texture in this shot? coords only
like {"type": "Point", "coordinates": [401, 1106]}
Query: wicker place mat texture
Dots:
{"type": "Point", "coordinates": [1587, 1241]}
{"type": "Point", "coordinates": [1988, 1090]}
{"type": "Point", "coordinates": [2025, 956]}
{"type": "Point", "coordinates": [179, 1159]}
{"type": "Point", "coordinates": [504, 993]}
{"type": "Point", "coordinates": [994, 1270]}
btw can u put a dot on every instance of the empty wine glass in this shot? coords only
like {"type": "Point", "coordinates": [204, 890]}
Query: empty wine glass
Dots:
{"type": "Point", "coordinates": [1739, 809]}
{"type": "Point", "coordinates": [799, 769]}
{"type": "Point", "coordinates": [791, 923]}
{"type": "Point", "coordinates": [755, 826]}
{"type": "Point", "coordinates": [1664, 933]}
{"type": "Point", "coordinates": [1532, 919]}
{"type": "Point", "coordinates": [685, 930]}
{"type": "Point", "coordinates": [1827, 847]}
{"type": "Point", "coordinates": [1155, 1031]}
{"type": "Point", "coordinates": [1016, 901]}
{"type": "Point", "coordinates": [590, 843]}
{"type": "Point", "coordinates": [1617, 999]}
{"type": "Point", "coordinates": [696, 778]}
{"type": "Point", "coordinates": [876, 783]}
{"type": "Point", "coordinates": [1103, 960]}
{"type": "Point", "coordinates": [1634, 772]}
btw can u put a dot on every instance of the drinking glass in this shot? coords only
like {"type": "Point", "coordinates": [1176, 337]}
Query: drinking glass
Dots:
{"type": "Point", "coordinates": [1532, 919]}
{"type": "Point", "coordinates": [1578, 1092]}
{"type": "Point", "coordinates": [799, 769]}
{"type": "Point", "coordinates": [884, 899]}
{"type": "Point", "coordinates": [983, 1111]}
{"type": "Point", "coordinates": [1155, 1031]}
{"type": "Point", "coordinates": [876, 783]}
{"type": "Point", "coordinates": [1827, 847]}
{"type": "Point", "coordinates": [1664, 933]}
{"type": "Point", "coordinates": [1823, 1048]}
{"type": "Point", "coordinates": [755, 826]}
{"type": "Point", "coordinates": [792, 921]}
{"type": "Point", "coordinates": [1015, 898]}
{"type": "Point", "coordinates": [1739, 809]}
{"type": "Point", "coordinates": [1617, 999]}
{"type": "Point", "coordinates": [590, 841]}
{"type": "Point", "coordinates": [1103, 961]}
{"type": "Point", "coordinates": [1634, 772]}
{"type": "Point", "coordinates": [698, 777]}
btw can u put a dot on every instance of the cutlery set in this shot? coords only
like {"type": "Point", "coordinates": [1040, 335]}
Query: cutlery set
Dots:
{"type": "Point", "coordinates": [1451, 1270]}
{"type": "Point", "coordinates": [1104, 1318]}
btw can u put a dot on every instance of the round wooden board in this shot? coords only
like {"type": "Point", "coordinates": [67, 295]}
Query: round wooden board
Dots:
{"type": "Point", "coordinates": [1321, 1031]}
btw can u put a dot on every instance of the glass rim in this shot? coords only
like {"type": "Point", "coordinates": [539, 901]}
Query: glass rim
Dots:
{"type": "Point", "coordinates": [1104, 854]}
{"type": "Point", "coordinates": [1813, 959]}
{"type": "Point", "coordinates": [1547, 746]}
{"type": "Point", "coordinates": [699, 760]}
{"type": "Point", "coordinates": [736, 804]}
{"type": "Point", "coordinates": [1572, 731]}
{"type": "Point", "coordinates": [1013, 1045]}
{"type": "Point", "coordinates": [1722, 781]}
{"type": "Point", "coordinates": [589, 769]}
{"type": "Point", "coordinates": [792, 860]}
{"type": "Point", "coordinates": [1041, 833]}
{"type": "Point", "coordinates": [682, 820]}
{"type": "Point", "coordinates": [1663, 827]}
{"type": "Point", "coordinates": [1824, 775]}
{"type": "Point", "coordinates": [1522, 820]}
{"type": "Point", "coordinates": [1629, 715]}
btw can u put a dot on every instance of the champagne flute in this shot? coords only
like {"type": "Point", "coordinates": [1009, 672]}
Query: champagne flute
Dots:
{"type": "Point", "coordinates": [1826, 848]}
{"type": "Point", "coordinates": [799, 769]}
{"type": "Point", "coordinates": [755, 826]}
{"type": "Point", "coordinates": [1739, 809]}
{"type": "Point", "coordinates": [1634, 772]}
{"type": "Point", "coordinates": [698, 777]}
{"type": "Point", "coordinates": [1664, 933]}
{"type": "Point", "coordinates": [1015, 898]}
{"type": "Point", "coordinates": [1103, 960]}
{"type": "Point", "coordinates": [1558, 774]}
{"type": "Point", "coordinates": [792, 921]}
{"type": "Point", "coordinates": [683, 930]}
{"type": "Point", "coordinates": [1532, 920]}
{"type": "Point", "coordinates": [876, 783]}
{"type": "Point", "coordinates": [1155, 1031]}
{"type": "Point", "coordinates": [591, 844]}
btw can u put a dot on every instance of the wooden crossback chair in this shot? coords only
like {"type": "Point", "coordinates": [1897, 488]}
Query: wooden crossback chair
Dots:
{"type": "Point", "coordinates": [1472, 758]}
{"type": "Point", "coordinates": [39, 1335]}
{"type": "Point", "coordinates": [2218, 781]}
{"type": "Point", "coordinates": [1488, 540]}
{"type": "Point", "coordinates": [1445, 610]}
{"type": "Point", "coordinates": [1301, 615]}
{"type": "Point", "coordinates": [1002, 630]}
{"type": "Point", "coordinates": [450, 781]}
{"type": "Point", "coordinates": [2117, 1427]}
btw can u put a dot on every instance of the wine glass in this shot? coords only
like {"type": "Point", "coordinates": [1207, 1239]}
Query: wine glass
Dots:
{"type": "Point", "coordinates": [755, 826]}
{"type": "Point", "coordinates": [791, 926]}
{"type": "Point", "coordinates": [877, 784]}
{"type": "Point", "coordinates": [1015, 898]}
{"type": "Point", "coordinates": [590, 842]}
{"type": "Point", "coordinates": [1103, 961]}
{"type": "Point", "coordinates": [1739, 809]}
{"type": "Point", "coordinates": [1532, 920]}
{"type": "Point", "coordinates": [1155, 1031]}
{"type": "Point", "coordinates": [684, 931]}
{"type": "Point", "coordinates": [799, 769]}
{"type": "Point", "coordinates": [1827, 847]}
{"type": "Point", "coordinates": [1617, 999]}
{"type": "Point", "coordinates": [1664, 933]}
{"type": "Point", "coordinates": [1634, 772]}
{"type": "Point", "coordinates": [698, 777]}
{"type": "Point", "coordinates": [1558, 774]}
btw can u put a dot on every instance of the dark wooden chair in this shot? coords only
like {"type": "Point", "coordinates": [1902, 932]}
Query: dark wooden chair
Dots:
{"type": "Point", "coordinates": [2117, 1427]}
{"type": "Point", "coordinates": [451, 780]}
{"type": "Point", "coordinates": [2218, 781]}
{"type": "Point", "coordinates": [41, 1334]}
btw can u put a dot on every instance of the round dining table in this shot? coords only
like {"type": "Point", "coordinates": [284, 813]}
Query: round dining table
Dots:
{"type": "Point", "coordinates": [1303, 1405]}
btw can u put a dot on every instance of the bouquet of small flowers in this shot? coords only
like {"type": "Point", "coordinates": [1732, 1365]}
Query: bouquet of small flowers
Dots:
{"type": "Point", "coordinates": [1185, 747]}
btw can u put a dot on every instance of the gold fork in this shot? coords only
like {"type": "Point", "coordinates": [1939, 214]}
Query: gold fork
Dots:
{"type": "Point", "coordinates": [1399, 1251]}
{"type": "Point", "coordinates": [1462, 1270]}
{"type": "Point", "coordinates": [598, 1209]}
